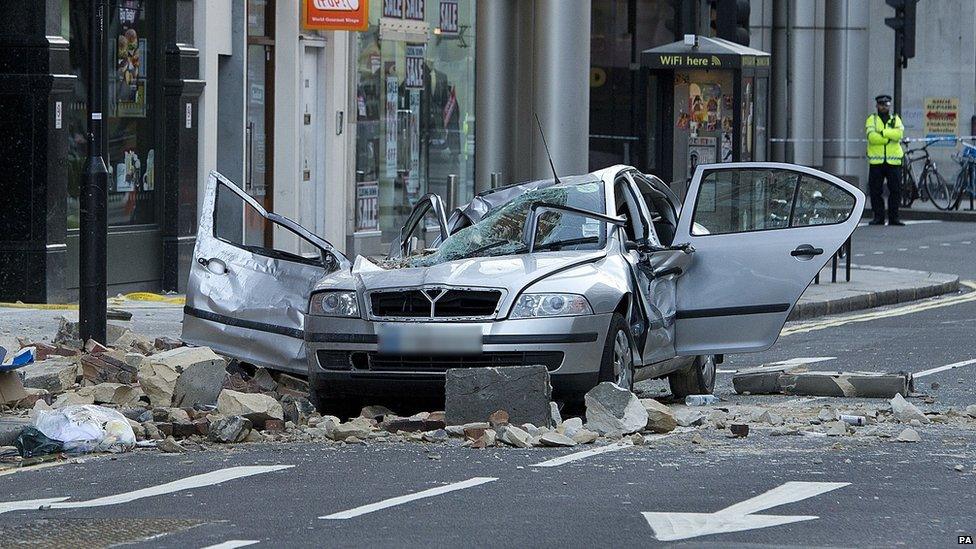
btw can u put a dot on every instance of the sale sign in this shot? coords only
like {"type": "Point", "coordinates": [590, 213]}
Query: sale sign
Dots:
{"type": "Point", "coordinates": [349, 15]}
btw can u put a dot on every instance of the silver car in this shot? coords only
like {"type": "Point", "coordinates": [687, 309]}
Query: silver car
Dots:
{"type": "Point", "coordinates": [598, 277]}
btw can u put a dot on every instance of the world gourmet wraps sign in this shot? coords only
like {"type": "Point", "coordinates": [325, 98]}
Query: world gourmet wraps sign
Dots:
{"type": "Point", "coordinates": [348, 15]}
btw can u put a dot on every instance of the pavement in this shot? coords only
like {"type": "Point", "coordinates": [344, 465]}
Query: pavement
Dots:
{"type": "Point", "coordinates": [760, 491]}
{"type": "Point", "coordinates": [926, 210]}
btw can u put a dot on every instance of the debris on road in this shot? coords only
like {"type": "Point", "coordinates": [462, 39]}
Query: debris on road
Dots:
{"type": "Point", "coordinates": [660, 418]}
{"type": "Point", "coordinates": [906, 412]}
{"type": "Point", "coordinates": [614, 411]}
{"type": "Point", "coordinates": [799, 381]}
{"type": "Point", "coordinates": [470, 394]}
{"type": "Point", "coordinates": [909, 435]}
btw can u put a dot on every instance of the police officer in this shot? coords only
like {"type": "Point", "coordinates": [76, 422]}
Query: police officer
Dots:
{"type": "Point", "coordinates": [884, 132]}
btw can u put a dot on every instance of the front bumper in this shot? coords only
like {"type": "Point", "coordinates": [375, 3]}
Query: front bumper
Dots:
{"type": "Point", "coordinates": [343, 358]}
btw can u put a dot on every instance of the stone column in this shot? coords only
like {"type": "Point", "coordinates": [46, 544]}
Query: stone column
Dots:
{"type": "Point", "coordinates": [35, 86]}
{"type": "Point", "coordinates": [495, 70]}
{"type": "Point", "coordinates": [845, 87]}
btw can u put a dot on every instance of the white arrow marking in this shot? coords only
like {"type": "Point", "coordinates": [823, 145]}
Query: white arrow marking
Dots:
{"type": "Point", "coordinates": [400, 500]}
{"type": "Point", "coordinates": [800, 361]}
{"type": "Point", "coordinates": [196, 481]}
{"type": "Point", "coordinates": [952, 366]}
{"type": "Point", "coordinates": [738, 517]}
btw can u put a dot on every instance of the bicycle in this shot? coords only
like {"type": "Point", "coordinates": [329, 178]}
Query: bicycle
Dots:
{"type": "Point", "coordinates": [919, 188]}
{"type": "Point", "coordinates": [966, 179]}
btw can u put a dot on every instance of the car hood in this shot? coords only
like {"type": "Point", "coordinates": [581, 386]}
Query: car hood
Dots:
{"type": "Point", "coordinates": [509, 272]}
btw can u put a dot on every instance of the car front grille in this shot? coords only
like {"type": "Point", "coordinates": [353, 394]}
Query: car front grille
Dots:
{"type": "Point", "coordinates": [434, 303]}
{"type": "Point", "coordinates": [375, 362]}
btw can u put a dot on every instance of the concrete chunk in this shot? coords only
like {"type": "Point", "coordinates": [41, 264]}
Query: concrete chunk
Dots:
{"type": "Point", "coordinates": [835, 384]}
{"type": "Point", "coordinates": [54, 375]}
{"type": "Point", "coordinates": [159, 373]}
{"type": "Point", "coordinates": [472, 394]}
{"type": "Point", "coordinates": [613, 411]}
{"type": "Point", "coordinates": [254, 406]}
{"type": "Point", "coordinates": [660, 418]}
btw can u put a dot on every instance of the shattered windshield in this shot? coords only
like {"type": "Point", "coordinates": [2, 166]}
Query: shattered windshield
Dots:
{"type": "Point", "coordinates": [500, 231]}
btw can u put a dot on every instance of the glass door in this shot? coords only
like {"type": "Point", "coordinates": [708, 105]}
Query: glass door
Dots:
{"type": "Point", "coordinates": [259, 175]}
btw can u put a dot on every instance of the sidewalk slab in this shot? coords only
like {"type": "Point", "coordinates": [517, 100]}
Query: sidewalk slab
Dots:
{"type": "Point", "coordinates": [870, 287]}
{"type": "Point", "coordinates": [925, 210]}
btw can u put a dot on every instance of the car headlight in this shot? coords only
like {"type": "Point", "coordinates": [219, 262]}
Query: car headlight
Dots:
{"type": "Point", "coordinates": [547, 305]}
{"type": "Point", "coordinates": [334, 304]}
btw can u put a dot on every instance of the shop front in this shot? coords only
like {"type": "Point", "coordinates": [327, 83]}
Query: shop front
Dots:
{"type": "Point", "coordinates": [414, 112]}
{"type": "Point", "coordinates": [150, 142]}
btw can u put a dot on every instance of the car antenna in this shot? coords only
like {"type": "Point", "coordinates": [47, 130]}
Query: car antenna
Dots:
{"type": "Point", "coordinates": [546, 145]}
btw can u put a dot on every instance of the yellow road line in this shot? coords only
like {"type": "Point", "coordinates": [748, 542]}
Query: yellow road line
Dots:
{"type": "Point", "coordinates": [44, 306]}
{"type": "Point", "coordinates": [888, 313]}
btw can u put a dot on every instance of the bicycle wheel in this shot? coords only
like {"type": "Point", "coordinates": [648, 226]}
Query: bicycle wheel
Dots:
{"type": "Point", "coordinates": [942, 194]}
{"type": "Point", "coordinates": [909, 190]}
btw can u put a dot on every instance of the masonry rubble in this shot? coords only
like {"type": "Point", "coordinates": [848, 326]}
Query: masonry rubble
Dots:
{"type": "Point", "coordinates": [185, 399]}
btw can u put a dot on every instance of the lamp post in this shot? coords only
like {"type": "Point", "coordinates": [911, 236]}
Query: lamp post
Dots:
{"type": "Point", "coordinates": [94, 191]}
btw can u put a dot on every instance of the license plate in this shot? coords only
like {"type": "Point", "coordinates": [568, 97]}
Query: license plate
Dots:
{"type": "Point", "coordinates": [429, 339]}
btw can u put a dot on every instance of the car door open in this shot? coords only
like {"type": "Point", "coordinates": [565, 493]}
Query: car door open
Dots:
{"type": "Point", "coordinates": [245, 297]}
{"type": "Point", "coordinates": [761, 232]}
{"type": "Point", "coordinates": [413, 235]}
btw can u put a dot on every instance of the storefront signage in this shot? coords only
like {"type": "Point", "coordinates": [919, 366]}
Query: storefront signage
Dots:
{"type": "Point", "coordinates": [415, 66]}
{"type": "Point", "coordinates": [689, 61]}
{"type": "Point", "coordinates": [414, 9]}
{"type": "Point", "coordinates": [367, 206]}
{"type": "Point", "coordinates": [393, 8]}
{"type": "Point", "coordinates": [348, 15]}
{"type": "Point", "coordinates": [449, 20]}
{"type": "Point", "coordinates": [941, 117]}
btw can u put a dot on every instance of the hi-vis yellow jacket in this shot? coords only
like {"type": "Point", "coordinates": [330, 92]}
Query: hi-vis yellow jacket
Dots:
{"type": "Point", "coordinates": [884, 140]}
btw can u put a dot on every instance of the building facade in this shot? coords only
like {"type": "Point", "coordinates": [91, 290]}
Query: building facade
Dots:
{"type": "Point", "coordinates": [151, 139]}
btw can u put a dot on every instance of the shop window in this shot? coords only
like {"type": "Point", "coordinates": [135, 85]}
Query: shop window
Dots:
{"type": "Point", "coordinates": [414, 111]}
{"type": "Point", "coordinates": [131, 69]}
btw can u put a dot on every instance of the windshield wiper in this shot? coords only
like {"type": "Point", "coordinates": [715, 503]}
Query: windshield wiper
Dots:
{"type": "Point", "coordinates": [559, 244]}
{"type": "Point", "coordinates": [495, 244]}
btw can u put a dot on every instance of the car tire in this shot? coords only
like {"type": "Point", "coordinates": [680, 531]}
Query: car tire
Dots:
{"type": "Point", "coordinates": [617, 363]}
{"type": "Point", "coordinates": [696, 379]}
{"type": "Point", "coordinates": [341, 407]}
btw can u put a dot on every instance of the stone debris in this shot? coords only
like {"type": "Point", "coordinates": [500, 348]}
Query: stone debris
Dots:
{"type": "Point", "coordinates": [254, 406]}
{"type": "Point", "coordinates": [201, 379]}
{"type": "Point", "coordinates": [585, 436]}
{"type": "Point", "coordinates": [119, 394]}
{"type": "Point", "coordinates": [971, 410]}
{"type": "Point", "coordinates": [799, 381]}
{"type": "Point", "coordinates": [54, 375]}
{"type": "Point", "coordinates": [613, 411]}
{"type": "Point", "coordinates": [909, 435]}
{"type": "Point", "coordinates": [688, 417]}
{"type": "Point", "coordinates": [660, 418]}
{"type": "Point", "coordinates": [570, 427]}
{"type": "Point", "coordinates": [906, 412]}
{"type": "Point", "coordinates": [170, 446]}
{"type": "Point", "coordinates": [836, 428]}
{"type": "Point", "coordinates": [552, 438]}
{"type": "Point", "coordinates": [231, 429]}
{"type": "Point", "coordinates": [514, 436]}
{"type": "Point", "coordinates": [471, 394]}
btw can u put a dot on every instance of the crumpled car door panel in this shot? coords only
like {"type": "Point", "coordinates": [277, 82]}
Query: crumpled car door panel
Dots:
{"type": "Point", "coordinates": [761, 232]}
{"type": "Point", "coordinates": [244, 298]}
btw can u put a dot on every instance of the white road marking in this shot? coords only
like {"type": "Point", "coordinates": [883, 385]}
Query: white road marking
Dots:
{"type": "Point", "coordinates": [858, 255]}
{"type": "Point", "coordinates": [799, 361]}
{"type": "Point", "coordinates": [902, 249]}
{"type": "Point", "coordinates": [923, 247]}
{"type": "Point", "coordinates": [576, 456]}
{"type": "Point", "coordinates": [878, 253]}
{"type": "Point", "coordinates": [952, 366]}
{"type": "Point", "coordinates": [738, 517]}
{"type": "Point", "coordinates": [966, 242]}
{"type": "Point", "coordinates": [945, 244]}
{"type": "Point", "coordinates": [188, 483]}
{"type": "Point", "coordinates": [233, 544]}
{"type": "Point", "coordinates": [393, 502]}
{"type": "Point", "coordinates": [886, 313]}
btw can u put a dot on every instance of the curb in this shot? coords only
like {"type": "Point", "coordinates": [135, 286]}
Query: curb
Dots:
{"type": "Point", "coordinates": [935, 284]}
{"type": "Point", "coordinates": [938, 215]}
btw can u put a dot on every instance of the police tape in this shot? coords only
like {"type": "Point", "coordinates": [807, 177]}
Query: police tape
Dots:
{"type": "Point", "coordinates": [863, 140]}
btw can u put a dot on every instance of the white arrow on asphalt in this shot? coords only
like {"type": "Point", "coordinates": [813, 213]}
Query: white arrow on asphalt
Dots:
{"type": "Point", "coordinates": [738, 517]}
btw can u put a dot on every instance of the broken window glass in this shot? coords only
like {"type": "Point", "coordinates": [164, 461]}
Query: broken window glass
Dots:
{"type": "Point", "coordinates": [500, 232]}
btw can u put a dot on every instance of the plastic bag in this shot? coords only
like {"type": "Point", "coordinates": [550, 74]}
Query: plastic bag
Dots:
{"type": "Point", "coordinates": [87, 428]}
{"type": "Point", "coordinates": [32, 443]}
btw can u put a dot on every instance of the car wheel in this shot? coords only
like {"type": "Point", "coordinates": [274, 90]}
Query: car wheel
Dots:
{"type": "Point", "coordinates": [617, 365]}
{"type": "Point", "coordinates": [697, 379]}
{"type": "Point", "coordinates": [341, 407]}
